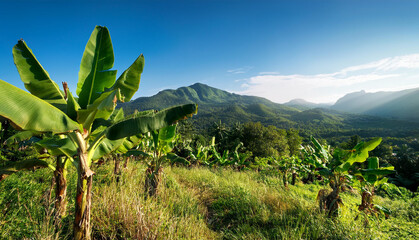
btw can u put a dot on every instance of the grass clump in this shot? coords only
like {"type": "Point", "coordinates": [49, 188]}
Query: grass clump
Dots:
{"type": "Point", "coordinates": [122, 211]}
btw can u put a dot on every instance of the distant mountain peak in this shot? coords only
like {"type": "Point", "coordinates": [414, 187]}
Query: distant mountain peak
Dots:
{"type": "Point", "coordinates": [198, 84]}
{"type": "Point", "coordinates": [297, 101]}
{"type": "Point", "coordinates": [304, 105]}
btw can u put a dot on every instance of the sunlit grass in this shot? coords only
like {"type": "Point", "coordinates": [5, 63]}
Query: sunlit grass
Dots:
{"type": "Point", "coordinates": [197, 203]}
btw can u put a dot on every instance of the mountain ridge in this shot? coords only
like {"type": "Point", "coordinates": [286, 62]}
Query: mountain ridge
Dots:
{"type": "Point", "coordinates": [403, 105]}
{"type": "Point", "coordinates": [216, 105]}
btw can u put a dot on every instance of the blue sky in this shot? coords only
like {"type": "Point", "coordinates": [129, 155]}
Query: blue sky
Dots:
{"type": "Point", "coordinates": [318, 50]}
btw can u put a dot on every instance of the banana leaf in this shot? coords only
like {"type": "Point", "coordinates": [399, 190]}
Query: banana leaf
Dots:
{"type": "Point", "coordinates": [174, 158]}
{"type": "Point", "coordinates": [94, 75]}
{"type": "Point", "coordinates": [13, 167]}
{"type": "Point", "coordinates": [129, 81]}
{"type": "Point", "coordinates": [72, 106]}
{"type": "Point", "coordinates": [102, 108]}
{"type": "Point", "coordinates": [37, 81]}
{"type": "Point", "coordinates": [28, 112]}
{"type": "Point", "coordinates": [19, 137]}
{"type": "Point", "coordinates": [106, 146]}
{"type": "Point", "coordinates": [59, 146]}
{"type": "Point", "coordinates": [151, 122]}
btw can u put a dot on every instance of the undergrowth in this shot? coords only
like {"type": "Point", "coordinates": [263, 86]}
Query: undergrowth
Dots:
{"type": "Point", "coordinates": [197, 203]}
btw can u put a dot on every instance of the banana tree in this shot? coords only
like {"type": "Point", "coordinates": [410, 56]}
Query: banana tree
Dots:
{"type": "Point", "coordinates": [82, 120]}
{"type": "Point", "coordinates": [314, 156]}
{"type": "Point", "coordinates": [202, 154]}
{"type": "Point", "coordinates": [369, 179]}
{"type": "Point", "coordinates": [240, 160]}
{"type": "Point", "coordinates": [158, 144]}
{"type": "Point", "coordinates": [288, 165]}
{"type": "Point", "coordinates": [18, 153]}
{"type": "Point", "coordinates": [62, 150]}
{"type": "Point", "coordinates": [40, 159]}
{"type": "Point", "coordinates": [338, 171]}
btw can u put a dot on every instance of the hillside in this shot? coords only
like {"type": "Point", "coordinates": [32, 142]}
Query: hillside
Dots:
{"type": "Point", "coordinates": [305, 105]}
{"type": "Point", "coordinates": [202, 95]}
{"type": "Point", "coordinates": [215, 105]}
{"type": "Point", "coordinates": [397, 105]}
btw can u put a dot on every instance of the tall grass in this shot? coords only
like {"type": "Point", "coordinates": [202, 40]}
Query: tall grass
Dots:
{"type": "Point", "coordinates": [197, 203]}
{"type": "Point", "coordinates": [122, 211]}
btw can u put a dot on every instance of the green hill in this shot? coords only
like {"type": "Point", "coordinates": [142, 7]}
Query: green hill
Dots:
{"type": "Point", "coordinates": [215, 105]}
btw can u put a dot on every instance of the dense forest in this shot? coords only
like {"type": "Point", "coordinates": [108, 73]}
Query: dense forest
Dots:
{"type": "Point", "coordinates": [193, 163]}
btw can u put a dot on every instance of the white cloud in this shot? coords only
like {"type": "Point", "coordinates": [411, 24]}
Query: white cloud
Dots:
{"type": "Point", "coordinates": [239, 70]}
{"type": "Point", "coordinates": [388, 64]}
{"type": "Point", "coordinates": [268, 73]}
{"type": "Point", "coordinates": [394, 73]}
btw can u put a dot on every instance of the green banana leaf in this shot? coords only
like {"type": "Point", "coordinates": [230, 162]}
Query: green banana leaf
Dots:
{"type": "Point", "coordinates": [378, 172]}
{"type": "Point", "coordinates": [361, 150]}
{"type": "Point", "coordinates": [373, 163]}
{"type": "Point", "coordinates": [129, 81]}
{"type": "Point", "coordinates": [94, 75]}
{"type": "Point", "coordinates": [35, 78]}
{"type": "Point", "coordinates": [151, 122]}
{"type": "Point", "coordinates": [102, 107]}
{"type": "Point", "coordinates": [174, 158]}
{"type": "Point", "coordinates": [72, 106]}
{"type": "Point", "coordinates": [167, 134]}
{"type": "Point", "coordinates": [137, 153]}
{"type": "Point", "coordinates": [59, 146]}
{"type": "Point", "coordinates": [101, 123]}
{"type": "Point", "coordinates": [117, 115]}
{"type": "Point", "coordinates": [19, 137]}
{"type": "Point", "coordinates": [359, 154]}
{"type": "Point", "coordinates": [13, 167]}
{"type": "Point", "coordinates": [28, 112]}
{"type": "Point", "coordinates": [106, 146]}
{"type": "Point", "coordinates": [128, 144]}
{"type": "Point", "coordinates": [321, 152]}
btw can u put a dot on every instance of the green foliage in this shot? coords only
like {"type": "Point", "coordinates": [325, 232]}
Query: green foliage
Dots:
{"type": "Point", "coordinates": [265, 141]}
{"type": "Point", "coordinates": [197, 203]}
{"type": "Point", "coordinates": [36, 79]}
{"type": "Point", "coordinates": [28, 112]}
{"type": "Point", "coordinates": [48, 110]}
{"type": "Point", "coordinates": [338, 168]}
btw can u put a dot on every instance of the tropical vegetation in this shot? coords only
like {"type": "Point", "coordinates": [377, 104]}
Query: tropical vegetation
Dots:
{"type": "Point", "coordinates": [93, 167]}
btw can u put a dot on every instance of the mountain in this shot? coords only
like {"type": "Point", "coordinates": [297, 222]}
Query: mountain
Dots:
{"type": "Point", "coordinates": [304, 105]}
{"type": "Point", "coordinates": [216, 105]}
{"type": "Point", "coordinates": [201, 94]}
{"type": "Point", "coordinates": [402, 105]}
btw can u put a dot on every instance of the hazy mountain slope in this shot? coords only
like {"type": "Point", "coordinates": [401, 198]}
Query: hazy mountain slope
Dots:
{"type": "Point", "coordinates": [400, 105]}
{"type": "Point", "coordinates": [304, 105]}
{"type": "Point", "coordinates": [405, 106]}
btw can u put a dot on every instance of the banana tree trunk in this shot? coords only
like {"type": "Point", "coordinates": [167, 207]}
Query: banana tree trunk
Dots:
{"type": "Point", "coordinates": [152, 181]}
{"type": "Point", "coordinates": [60, 175]}
{"type": "Point", "coordinates": [126, 162]}
{"type": "Point", "coordinates": [82, 226]}
{"type": "Point", "coordinates": [294, 177]}
{"type": "Point", "coordinates": [285, 179]}
{"type": "Point", "coordinates": [333, 199]}
{"type": "Point", "coordinates": [117, 168]}
{"type": "Point", "coordinates": [366, 203]}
